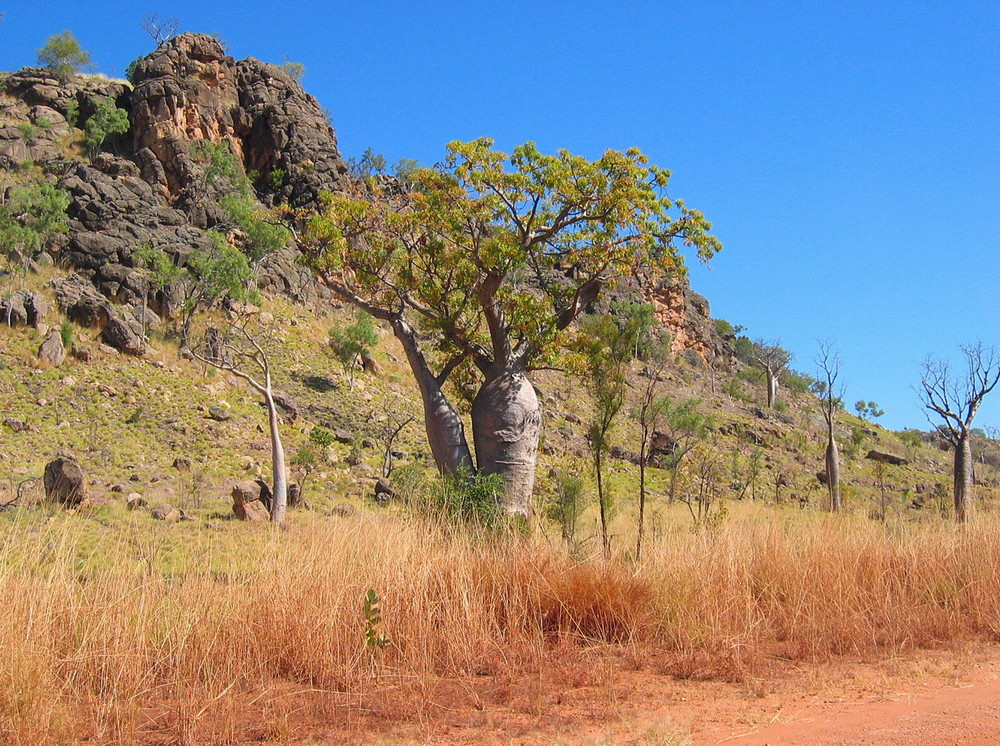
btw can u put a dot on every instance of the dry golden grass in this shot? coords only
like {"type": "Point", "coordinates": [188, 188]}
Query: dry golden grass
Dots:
{"type": "Point", "coordinates": [231, 648]}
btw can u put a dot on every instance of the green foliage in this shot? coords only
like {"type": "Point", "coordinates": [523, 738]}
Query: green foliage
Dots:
{"type": "Point", "coordinates": [29, 216]}
{"type": "Point", "coordinates": [470, 499]}
{"type": "Point", "coordinates": [107, 120]}
{"type": "Point", "coordinates": [322, 437]}
{"type": "Point", "coordinates": [349, 342]}
{"type": "Point", "coordinates": [369, 164]}
{"type": "Point", "coordinates": [163, 270]}
{"type": "Point", "coordinates": [744, 350]}
{"type": "Point", "coordinates": [72, 112]}
{"type": "Point", "coordinates": [732, 387]}
{"type": "Point", "coordinates": [27, 130]}
{"type": "Point", "coordinates": [485, 220]}
{"type": "Point", "coordinates": [726, 330]}
{"type": "Point", "coordinates": [868, 410]}
{"type": "Point", "coordinates": [63, 55]}
{"type": "Point", "coordinates": [260, 236]}
{"type": "Point", "coordinates": [295, 70]}
{"type": "Point", "coordinates": [43, 124]}
{"type": "Point", "coordinates": [567, 505]}
{"type": "Point", "coordinates": [276, 178]}
{"type": "Point", "coordinates": [132, 68]}
{"type": "Point", "coordinates": [799, 383]}
{"type": "Point", "coordinates": [375, 639]}
{"type": "Point", "coordinates": [857, 439]}
{"type": "Point", "coordinates": [404, 169]}
{"type": "Point", "coordinates": [66, 333]}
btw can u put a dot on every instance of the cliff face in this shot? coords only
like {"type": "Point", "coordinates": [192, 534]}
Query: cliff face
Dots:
{"type": "Point", "coordinates": [149, 189]}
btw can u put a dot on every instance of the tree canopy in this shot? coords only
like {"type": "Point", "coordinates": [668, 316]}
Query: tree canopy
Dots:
{"type": "Point", "coordinates": [492, 256]}
{"type": "Point", "coordinates": [63, 55]}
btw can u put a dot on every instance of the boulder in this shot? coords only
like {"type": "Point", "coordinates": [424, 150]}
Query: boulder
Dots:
{"type": "Point", "coordinates": [135, 501]}
{"type": "Point", "coordinates": [219, 414]}
{"type": "Point", "coordinates": [246, 502]}
{"type": "Point", "coordinates": [125, 333]}
{"type": "Point", "coordinates": [65, 483]}
{"type": "Point", "coordinates": [18, 426]}
{"type": "Point", "coordinates": [182, 463]}
{"type": "Point", "coordinates": [51, 350]}
{"type": "Point", "coordinates": [287, 404]}
{"type": "Point", "coordinates": [886, 458]}
{"type": "Point", "coordinates": [344, 510]}
{"type": "Point", "coordinates": [166, 513]}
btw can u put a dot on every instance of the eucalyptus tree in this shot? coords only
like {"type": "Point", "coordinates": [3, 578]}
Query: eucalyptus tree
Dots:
{"type": "Point", "coordinates": [955, 399]}
{"type": "Point", "coordinates": [482, 266]}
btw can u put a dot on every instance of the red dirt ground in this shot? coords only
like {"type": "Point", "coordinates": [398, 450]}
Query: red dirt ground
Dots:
{"type": "Point", "coordinates": [926, 697]}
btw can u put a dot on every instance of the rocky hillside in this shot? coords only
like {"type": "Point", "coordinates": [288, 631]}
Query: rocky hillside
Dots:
{"type": "Point", "coordinates": [147, 187]}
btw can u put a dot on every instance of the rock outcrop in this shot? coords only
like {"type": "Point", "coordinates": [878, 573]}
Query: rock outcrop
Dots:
{"type": "Point", "coordinates": [65, 483]}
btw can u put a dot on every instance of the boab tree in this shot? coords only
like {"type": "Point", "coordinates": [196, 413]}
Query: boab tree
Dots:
{"type": "Point", "coordinates": [774, 359]}
{"type": "Point", "coordinates": [830, 394]}
{"type": "Point", "coordinates": [491, 257]}
{"type": "Point", "coordinates": [242, 351]}
{"type": "Point", "coordinates": [956, 400]}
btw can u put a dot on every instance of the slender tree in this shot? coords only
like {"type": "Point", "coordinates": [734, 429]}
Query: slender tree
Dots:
{"type": "Point", "coordinates": [491, 257]}
{"type": "Point", "coordinates": [649, 414]}
{"type": "Point", "coordinates": [828, 361]}
{"type": "Point", "coordinates": [956, 399]}
{"type": "Point", "coordinates": [243, 353]}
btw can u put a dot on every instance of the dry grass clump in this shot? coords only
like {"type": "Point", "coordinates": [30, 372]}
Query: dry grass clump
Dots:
{"type": "Point", "coordinates": [225, 648]}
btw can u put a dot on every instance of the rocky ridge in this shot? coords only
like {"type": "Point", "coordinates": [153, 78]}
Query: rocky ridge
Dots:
{"type": "Point", "coordinates": [149, 190]}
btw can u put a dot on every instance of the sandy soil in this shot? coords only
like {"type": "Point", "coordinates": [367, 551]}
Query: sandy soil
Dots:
{"type": "Point", "coordinates": [929, 697]}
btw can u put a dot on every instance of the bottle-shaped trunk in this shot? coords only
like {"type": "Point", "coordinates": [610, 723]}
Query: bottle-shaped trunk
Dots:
{"type": "Point", "coordinates": [963, 479]}
{"type": "Point", "coordinates": [278, 478]}
{"type": "Point", "coordinates": [772, 387]}
{"type": "Point", "coordinates": [445, 432]}
{"type": "Point", "coordinates": [506, 423]}
{"type": "Point", "coordinates": [833, 472]}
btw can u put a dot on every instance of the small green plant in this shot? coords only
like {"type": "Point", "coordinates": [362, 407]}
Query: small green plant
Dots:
{"type": "Point", "coordinates": [375, 638]}
{"type": "Point", "coordinates": [567, 505]}
{"type": "Point", "coordinates": [296, 70]}
{"type": "Point", "coordinates": [106, 121]}
{"type": "Point", "coordinates": [28, 130]}
{"type": "Point", "coordinates": [735, 389]}
{"type": "Point", "coordinates": [136, 415]}
{"type": "Point", "coordinates": [470, 499]}
{"type": "Point", "coordinates": [72, 112]}
{"type": "Point", "coordinates": [43, 124]}
{"type": "Point", "coordinates": [66, 331]}
{"type": "Point", "coordinates": [322, 437]}
{"type": "Point", "coordinates": [276, 178]}
{"type": "Point", "coordinates": [352, 341]}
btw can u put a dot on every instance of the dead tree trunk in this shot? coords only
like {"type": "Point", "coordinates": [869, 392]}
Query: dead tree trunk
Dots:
{"type": "Point", "coordinates": [833, 470]}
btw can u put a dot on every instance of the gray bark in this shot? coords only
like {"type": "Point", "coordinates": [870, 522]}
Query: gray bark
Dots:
{"type": "Point", "coordinates": [279, 480]}
{"type": "Point", "coordinates": [506, 423]}
{"type": "Point", "coordinates": [772, 387]}
{"type": "Point", "coordinates": [964, 505]}
{"type": "Point", "coordinates": [445, 431]}
{"type": "Point", "coordinates": [833, 471]}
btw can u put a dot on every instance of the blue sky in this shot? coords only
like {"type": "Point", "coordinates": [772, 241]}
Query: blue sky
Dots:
{"type": "Point", "coordinates": [848, 153]}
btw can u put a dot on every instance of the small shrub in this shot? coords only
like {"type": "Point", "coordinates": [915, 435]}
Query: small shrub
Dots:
{"type": "Point", "coordinates": [468, 499]}
{"type": "Point", "coordinates": [322, 437]}
{"type": "Point", "coordinates": [567, 504]}
{"type": "Point", "coordinates": [66, 332]}
{"type": "Point", "coordinates": [43, 124]}
{"type": "Point", "coordinates": [28, 130]}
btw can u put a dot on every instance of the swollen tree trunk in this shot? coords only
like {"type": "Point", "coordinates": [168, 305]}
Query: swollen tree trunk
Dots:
{"type": "Point", "coordinates": [445, 431]}
{"type": "Point", "coordinates": [833, 471]}
{"type": "Point", "coordinates": [280, 482]}
{"type": "Point", "coordinates": [772, 387]}
{"type": "Point", "coordinates": [963, 479]}
{"type": "Point", "coordinates": [506, 423]}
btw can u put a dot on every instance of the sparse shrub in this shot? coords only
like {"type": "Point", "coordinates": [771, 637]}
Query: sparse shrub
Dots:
{"type": "Point", "coordinates": [781, 406]}
{"type": "Point", "coordinates": [27, 130]}
{"type": "Point", "coordinates": [798, 383]}
{"type": "Point", "coordinates": [468, 499]}
{"type": "Point", "coordinates": [732, 387]}
{"type": "Point", "coordinates": [567, 505]}
{"type": "Point", "coordinates": [322, 437]}
{"type": "Point", "coordinates": [43, 124]}
{"type": "Point", "coordinates": [66, 332]}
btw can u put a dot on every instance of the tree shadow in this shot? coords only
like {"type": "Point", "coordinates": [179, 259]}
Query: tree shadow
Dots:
{"type": "Point", "coordinates": [319, 383]}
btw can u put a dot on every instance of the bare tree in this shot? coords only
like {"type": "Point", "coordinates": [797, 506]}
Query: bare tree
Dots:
{"type": "Point", "coordinates": [828, 360]}
{"type": "Point", "coordinates": [242, 353]}
{"type": "Point", "coordinates": [956, 400]}
{"type": "Point", "coordinates": [774, 360]}
{"type": "Point", "coordinates": [161, 29]}
{"type": "Point", "coordinates": [649, 413]}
